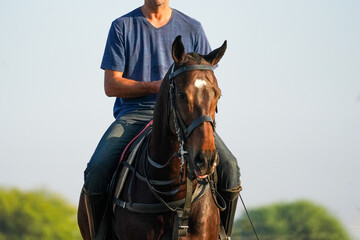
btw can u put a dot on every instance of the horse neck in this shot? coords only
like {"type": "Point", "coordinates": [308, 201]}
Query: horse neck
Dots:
{"type": "Point", "coordinates": [162, 145]}
{"type": "Point", "coordinates": [163, 142]}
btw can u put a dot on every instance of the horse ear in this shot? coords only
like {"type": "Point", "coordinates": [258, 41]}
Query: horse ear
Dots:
{"type": "Point", "coordinates": [178, 50]}
{"type": "Point", "coordinates": [215, 56]}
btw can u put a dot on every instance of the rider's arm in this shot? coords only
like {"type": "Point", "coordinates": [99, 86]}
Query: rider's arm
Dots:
{"type": "Point", "coordinates": [117, 86]}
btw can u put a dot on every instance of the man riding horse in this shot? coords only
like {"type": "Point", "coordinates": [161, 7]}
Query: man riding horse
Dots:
{"type": "Point", "coordinates": [136, 58]}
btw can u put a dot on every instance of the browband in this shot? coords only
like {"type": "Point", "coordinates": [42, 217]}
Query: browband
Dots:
{"type": "Point", "coordinates": [173, 73]}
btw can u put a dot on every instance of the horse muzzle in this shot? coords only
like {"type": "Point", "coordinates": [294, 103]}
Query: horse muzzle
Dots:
{"type": "Point", "coordinates": [205, 163]}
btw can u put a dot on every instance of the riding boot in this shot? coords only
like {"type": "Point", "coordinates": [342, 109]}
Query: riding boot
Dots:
{"type": "Point", "coordinates": [95, 205]}
{"type": "Point", "coordinates": [227, 216]}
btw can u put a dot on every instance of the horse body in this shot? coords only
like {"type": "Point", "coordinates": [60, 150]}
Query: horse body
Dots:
{"type": "Point", "coordinates": [181, 100]}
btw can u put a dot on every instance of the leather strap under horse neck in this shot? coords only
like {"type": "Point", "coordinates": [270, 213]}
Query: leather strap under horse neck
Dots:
{"type": "Point", "coordinates": [181, 220]}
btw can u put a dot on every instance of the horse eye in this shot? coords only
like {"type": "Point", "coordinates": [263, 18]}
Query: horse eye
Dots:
{"type": "Point", "coordinates": [182, 96]}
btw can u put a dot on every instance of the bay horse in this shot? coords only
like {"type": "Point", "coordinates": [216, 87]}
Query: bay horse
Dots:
{"type": "Point", "coordinates": [177, 159]}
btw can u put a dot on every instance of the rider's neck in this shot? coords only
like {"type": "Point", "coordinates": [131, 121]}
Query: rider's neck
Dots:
{"type": "Point", "coordinates": [158, 15]}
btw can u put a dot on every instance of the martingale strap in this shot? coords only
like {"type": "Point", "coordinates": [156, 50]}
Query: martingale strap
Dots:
{"type": "Point", "coordinates": [184, 214]}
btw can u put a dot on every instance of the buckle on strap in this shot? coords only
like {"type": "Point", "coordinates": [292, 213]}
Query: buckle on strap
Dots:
{"type": "Point", "coordinates": [119, 202]}
{"type": "Point", "coordinates": [183, 231]}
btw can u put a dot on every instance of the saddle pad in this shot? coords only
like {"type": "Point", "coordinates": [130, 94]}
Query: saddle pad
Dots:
{"type": "Point", "coordinates": [132, 144]}
{"type": "Point", "coordinates": [128, 155]}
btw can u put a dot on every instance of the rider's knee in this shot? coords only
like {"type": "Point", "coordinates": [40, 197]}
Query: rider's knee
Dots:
{"type": "Point", "coordinates": [95, 178]}
{"type": "Point", "coordinates": [228, 173]}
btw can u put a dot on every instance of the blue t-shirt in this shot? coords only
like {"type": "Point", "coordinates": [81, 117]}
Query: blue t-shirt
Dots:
{"type": "Point", "coordinates": [143, 52]}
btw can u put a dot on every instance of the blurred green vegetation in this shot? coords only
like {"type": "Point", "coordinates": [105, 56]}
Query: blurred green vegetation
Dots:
{"type": "Point", "coordinates": [300, 220]}
{"type": "Point", "coordinates": [36, 215]}
{"type": "Point", "coordinates": [42, 215]}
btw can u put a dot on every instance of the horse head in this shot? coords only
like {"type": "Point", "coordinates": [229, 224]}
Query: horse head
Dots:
{"type": "Point", "coordinates": [194, 94]}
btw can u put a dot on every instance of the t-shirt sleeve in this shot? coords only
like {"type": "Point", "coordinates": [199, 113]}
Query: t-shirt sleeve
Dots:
{"type": "Point", "coordinates": [114, 54]}
{"type": "Point", "coordinates": [202, 45]}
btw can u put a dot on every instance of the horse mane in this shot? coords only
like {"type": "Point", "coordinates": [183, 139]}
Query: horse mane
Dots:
{"type": "Point", "coordinates": [162, 102]}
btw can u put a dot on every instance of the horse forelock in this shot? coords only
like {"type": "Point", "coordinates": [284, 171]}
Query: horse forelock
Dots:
{"type": "Point", "coordinates": [195, 58]}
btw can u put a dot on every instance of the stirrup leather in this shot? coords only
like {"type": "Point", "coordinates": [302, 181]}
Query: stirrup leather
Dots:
{"type": "Point", "coordinates": [95, 205]}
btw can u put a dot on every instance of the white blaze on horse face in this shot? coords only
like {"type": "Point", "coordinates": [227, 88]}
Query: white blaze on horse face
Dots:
{"type": "Point", "coordinates": [199, 83]}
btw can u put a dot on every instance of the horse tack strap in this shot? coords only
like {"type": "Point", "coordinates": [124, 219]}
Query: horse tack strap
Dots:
{"type": "Point", "coordinates": [173, 73]}
{"type": "Point", "coordinates": [148, 208]}
{"type": "Point", "coordinates": [184, 220]}
{"type": "Point", "coordinates": [200, 190]}
{"type": "Point", "coordinates": [152, 181]}
{"type": "Point", "coordinates": [181, 220]}
{"type": "Point", "coordinates": [197, 122]}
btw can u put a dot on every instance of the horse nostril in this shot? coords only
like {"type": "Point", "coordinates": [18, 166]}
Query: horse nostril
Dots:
{"type": "Point", "coordinates": [210, 158]}
{"type": "Point", "coordinates": [200, 160]}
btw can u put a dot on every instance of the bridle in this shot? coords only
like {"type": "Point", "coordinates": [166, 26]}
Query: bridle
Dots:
{"type": "Point", "coordinates": [183, 131]}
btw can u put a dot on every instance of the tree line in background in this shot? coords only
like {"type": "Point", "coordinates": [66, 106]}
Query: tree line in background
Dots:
{"type": "Point", "coordinates": [41, 215]}
{"type": "Point", "coordinates": [36, 215]}
{"type": "Point", "coordinates": [300, 220]}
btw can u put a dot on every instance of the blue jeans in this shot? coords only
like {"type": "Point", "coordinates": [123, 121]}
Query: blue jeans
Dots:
{"type": "Point", "coordinates": [104, 161]}
{"type": "Point", "coordinates": [228, 170]}
{"type": "Point", "coordinates": [106, 157]}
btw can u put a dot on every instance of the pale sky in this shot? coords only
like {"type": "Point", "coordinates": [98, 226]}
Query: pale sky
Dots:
{"type": "Point", "coordinates": [289, 111]}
